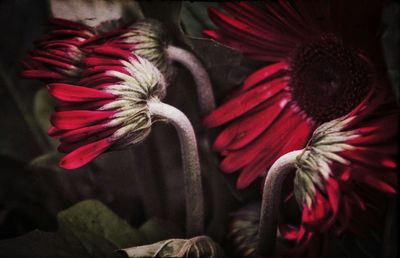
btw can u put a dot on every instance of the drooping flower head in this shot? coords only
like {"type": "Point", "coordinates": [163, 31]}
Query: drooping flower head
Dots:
{"type": "Point", "coordinates": [320, 71]}
{"type": "Point", "coordinates": [58, 54]}
{"type": "Point", "coordinates": [145, 38]}
{"type": "Point", "coordinates": [347, 163]}
{"type": "Point", "coordinates": [107, 108]}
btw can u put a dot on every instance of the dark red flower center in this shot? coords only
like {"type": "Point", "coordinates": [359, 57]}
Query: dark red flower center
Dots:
{"type": "Point", "coordinates": [328, 79]}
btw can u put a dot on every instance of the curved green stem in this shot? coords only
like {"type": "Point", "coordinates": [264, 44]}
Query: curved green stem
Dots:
{"type": "Point", "coordinates": [203, 84]}
{"type": "Point", "coordinates": [271, 200]}
{"type": "Point", "coordinates": [190, 164]}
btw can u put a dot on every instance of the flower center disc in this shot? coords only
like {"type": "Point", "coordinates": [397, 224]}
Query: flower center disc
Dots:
{"type": "Point", "coordinates": [327, 79]}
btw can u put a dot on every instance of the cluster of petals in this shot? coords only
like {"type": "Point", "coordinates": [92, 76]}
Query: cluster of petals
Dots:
{"type": "Point", "coordinates": [347, 169]}
{"type": "Point", "coordinates": [58, 55]}
{"type": "Point", "coordinates": [308, 81]}
{"type": "Point", "coordinates": [263, 119]}
{"type": "Point", "coordinates": [145, 38]}
{"type": "Point", "coordinates": [107, 108]}
{"type": "Point", "coordinates": [102, 81]}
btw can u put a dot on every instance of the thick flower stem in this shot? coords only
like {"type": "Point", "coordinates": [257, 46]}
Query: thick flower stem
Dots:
{"type": "Point", "coordinates": [271, 200]}
{"type": "Point", "coordinates": [190, 164]}
{"type": "Point", "coordinates": [203, 84]}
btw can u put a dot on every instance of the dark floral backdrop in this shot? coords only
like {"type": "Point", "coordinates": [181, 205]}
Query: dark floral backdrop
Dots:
{"type": "Point", "coordinates": [145, 181]}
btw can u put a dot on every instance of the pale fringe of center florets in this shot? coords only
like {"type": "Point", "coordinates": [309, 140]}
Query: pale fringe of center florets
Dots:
{"type": "Point", "coordinates": [142, 84]}
{"type": "Point", "coordinates": [243, 230]}
{"type": "Point", "coordinates": [313, 165]}
{"type": "Point", "coordinates": [147, 37]}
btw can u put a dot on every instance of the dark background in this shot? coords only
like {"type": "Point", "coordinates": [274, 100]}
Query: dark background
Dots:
{"type": "Point", "coordinates": [144, 181]}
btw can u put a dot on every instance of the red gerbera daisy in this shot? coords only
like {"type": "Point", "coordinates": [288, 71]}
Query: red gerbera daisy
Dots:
{"type": "Point", "coordinates": [345, 160]}
{"type": "Point", "coordinates": [145, 38]}
{"type": "Point", "coordinates": [107, 108]}
{"type": "Point", "coordinates": [320, 71]}
{"type": "Point", "coordinates": [343, 176]}
{"type": "Point", "coordinates": [58, 55]}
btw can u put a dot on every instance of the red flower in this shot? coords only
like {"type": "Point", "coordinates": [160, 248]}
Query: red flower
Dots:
{"type": "Point", "coordinates": [144, 38]}
{"type": "Point", "coordinates": [347, 162]}
{"type": "Point", "coordinates": [58, 56]}
{"type": "Point", "coordinates": [107, 108]}
{"type": "Point", "coordinates": [320, 71]}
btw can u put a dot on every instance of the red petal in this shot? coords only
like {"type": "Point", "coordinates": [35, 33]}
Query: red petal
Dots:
{"type": "Point", "coordinates": [67, 147]}
{"type": "Point", "coordinates": [100, 78]}
{"type": "Point", "coordinates": [263, 74]}
{"type": "Point", "coordinates": [377, 184]}
{"type": "Point", "coordinates": [114, 52]}
{"type": "Point", "coordinates": [368, 159]}
{"type": "Point", "coordinates": [333, 192]}
{"type": "Point", "coordinates": [289, 233]}
{"type": "Point", "coordinates": [100, 69]}
{"type": "Point", "coordinates": [55, 132]}
{"type": "Point", "coordinates": [78, 118]}
{"type": "Point", "coordinates": [90, 105]}
{"type": "Point", "coordinates": [318, 212]}
{"type": "Point", "coordinates": [73, 93]}
{"type": "Point", "coordinates": [40, 74]}
{"type": "Point", "coordinates": [82, 133]}
{"type": "Point", "coordinates": [94, 61]}
{"type": "Point", "coordinates": [85, 154]}
{"type": "Point", "coordinates": [243, 103]}
{"type": "Point", "coordinates": [250, 33]}
{"type": "Point", "coordinates": [276, 148]}
{"type": "Point", "coordinates": [55, 63]}
{"type": "Point", "coordinates": [241, 132]}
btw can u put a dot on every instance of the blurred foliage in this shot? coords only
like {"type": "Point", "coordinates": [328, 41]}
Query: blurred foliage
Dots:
{"type": "Point", "coordinates": [87, 229]}
{"type": "Point", "coordinates": [194, 17]}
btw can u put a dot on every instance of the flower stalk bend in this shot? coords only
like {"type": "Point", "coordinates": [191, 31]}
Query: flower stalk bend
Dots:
{"type": "Point", "coordinates": [203, 84]}
{"type": "Point", "coordinates": [270, 202]}
{"type": "Point", "coordinates": [190, 163]}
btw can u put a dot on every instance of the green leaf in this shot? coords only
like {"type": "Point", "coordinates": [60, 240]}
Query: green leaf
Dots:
{"type": "Point", "coordinates": [195, 17]}
{"type": "Point", "coordinates": [43, 106]}
{"type": "Point", "coordinates": [227, 67]}
{"type": "Point", "coordinates": [87, 229]}
{"type": "Point", "coordinates": [94, 226]}
{"type": "Point", "coordinates": [47, 161]}
{"type": "Point", "coordinates": [157, 229]}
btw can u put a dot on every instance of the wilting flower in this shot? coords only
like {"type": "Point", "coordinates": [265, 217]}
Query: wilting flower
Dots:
{"type": "Point", "coordinates": [145, 38]}
{"type": "Point", "coordinates": [342, 180]}
{"type": "Point", "coordinates": [107, 108]}
{"type": "Point", "coordinates": [320, 71]}
{"type": "Point", "coordinates": [58, 54]}
{"type": "Point", "coordinates": [112, 107]}
{"type": "Point", "coordinates": [148, 39]}
{"type": "Point", "coordinates": [346, 163]}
